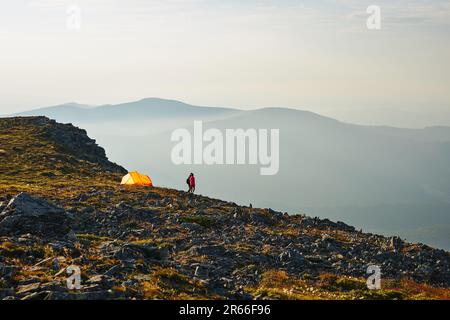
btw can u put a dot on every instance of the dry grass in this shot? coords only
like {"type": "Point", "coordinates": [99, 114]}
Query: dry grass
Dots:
{"type": "Point", "coordinates": [276, 284]}
{"type": "Point", "coordinates": [167, 283]}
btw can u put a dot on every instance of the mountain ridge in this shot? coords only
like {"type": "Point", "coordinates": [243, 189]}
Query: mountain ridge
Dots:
{"type": "Point", "coordinates": [154, 101]}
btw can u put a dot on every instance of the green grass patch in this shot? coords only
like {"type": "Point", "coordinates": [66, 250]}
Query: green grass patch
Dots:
{"type": "Point", "coordinates": [204, 221]}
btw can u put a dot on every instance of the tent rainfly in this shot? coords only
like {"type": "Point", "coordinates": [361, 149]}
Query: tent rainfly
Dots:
{"type": "Point", "coordinates": [136, 179]}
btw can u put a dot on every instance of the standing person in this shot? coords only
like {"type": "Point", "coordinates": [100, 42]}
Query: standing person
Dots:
{"type": "Point", "coordinates": [188, 183]}
{"type": "Point", "coordinates": [191, 183]}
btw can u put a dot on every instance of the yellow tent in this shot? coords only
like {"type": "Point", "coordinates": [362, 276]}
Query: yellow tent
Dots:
{"type": "Point", "coordinates": [137, 179]}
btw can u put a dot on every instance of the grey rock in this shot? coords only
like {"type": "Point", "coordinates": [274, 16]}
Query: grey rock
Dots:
{"type": "Point", "coordinates": [6, 292]}
{"type": "Point", "coordinates": [6, 272]}
{"type": "Point", "coordinates": [191, 226]}
{"type": "Point", "coordinates": [138, 251]}
{"type": "Point", "coordinates": [208, 250]}
{"type": "Point", "coordinates": [27, 214]}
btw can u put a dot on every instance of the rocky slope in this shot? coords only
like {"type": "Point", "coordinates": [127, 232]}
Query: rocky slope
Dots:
{"type": "Point", "coordinates": [61, 205]}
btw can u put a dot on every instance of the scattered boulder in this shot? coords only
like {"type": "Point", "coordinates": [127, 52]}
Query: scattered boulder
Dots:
{"type": "Point", "coordinates": [6, 272]}
{"type": "Point", "coordinates": [5, 293]}
{"type": "Point", "coordinates": [141, 251]}
{"type": "Point", "coordinates": [212, 250]}
{"type": "Point", "coordinates": [27, 214]}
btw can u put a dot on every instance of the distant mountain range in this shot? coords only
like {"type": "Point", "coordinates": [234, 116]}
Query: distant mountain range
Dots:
{"type": "Point", "coordinates": [382, 179]}
{"type": "Point", "coordinates": [145, 108]}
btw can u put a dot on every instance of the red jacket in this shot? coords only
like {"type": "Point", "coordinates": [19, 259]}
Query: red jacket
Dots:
{"type": "Point", "coordinates": [192, 181]}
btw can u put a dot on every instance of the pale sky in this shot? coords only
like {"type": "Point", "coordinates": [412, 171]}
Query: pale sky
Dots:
{"type": "Point", "coordinates": [316, 55]}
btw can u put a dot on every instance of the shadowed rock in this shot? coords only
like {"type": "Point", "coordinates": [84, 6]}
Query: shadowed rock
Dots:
{"type": "Point", "coordinates": [27, 214]}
